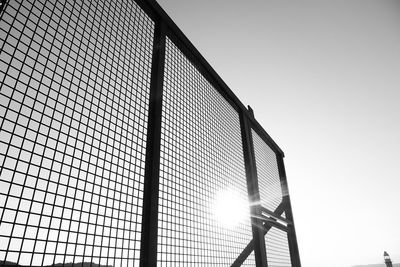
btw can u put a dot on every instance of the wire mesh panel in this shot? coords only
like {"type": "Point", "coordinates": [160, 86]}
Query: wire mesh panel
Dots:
{"type": "Point", "coordinates": [278, 253]}
{"type": "Point", "coordinates": [73, 114]}
{"type": "Point", "coordinates": [250, 260]}
{"type": "Point", "coordinates": [268, 173]}
{"type": "Point", "coordinates": [203, 205]}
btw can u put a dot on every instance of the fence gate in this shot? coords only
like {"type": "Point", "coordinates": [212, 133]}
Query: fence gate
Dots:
{"type": "Point", "coordinates": [121, 146]}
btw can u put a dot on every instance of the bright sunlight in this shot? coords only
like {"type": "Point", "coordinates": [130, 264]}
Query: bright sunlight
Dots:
{"type": "Point", "coordinates": [230, 208]}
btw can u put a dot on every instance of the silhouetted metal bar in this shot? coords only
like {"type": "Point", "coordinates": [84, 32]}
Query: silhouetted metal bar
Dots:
{"type": "Point", "coordinates": [291, 234]}
{"type": "Point", "coordinates": [250, 247]}
{"type": "Point", "coordinates": [273, 223]}
{"type": "Point", "coordinates": [279, 210]}
{"type": "Point", "coordinates": [275, 216]}
{"type": "Point", "coordinates": [243, 256]}
{"type": "Point", "coordinates": [148, 256]}
{"type": "Point", "coordinates": [254, 196]}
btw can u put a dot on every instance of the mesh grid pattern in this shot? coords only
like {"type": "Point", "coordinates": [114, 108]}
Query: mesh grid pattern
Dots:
{"type": "Point", "coordinates": [73, 114]}
{"type": "Point", "coordinates": [250, 260]}
{"type": "Point", "coordinates": [74, 93]}
{"type": "Point", "coordinates": [278, 254]}
{"type": "Point", "coordinates": [201, 155]}
{"type": "Point", "coordinates": [268, 174]}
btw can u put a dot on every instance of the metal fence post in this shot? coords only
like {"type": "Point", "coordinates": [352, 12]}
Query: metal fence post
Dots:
{"type": "Point", "coordinates": [148, 250]}
{"type": "Point", "coordinates": [254, 196]}
{"type": "Point", "coordinates": [291, 234]}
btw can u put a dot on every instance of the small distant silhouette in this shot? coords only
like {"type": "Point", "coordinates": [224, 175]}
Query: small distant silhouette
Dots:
{"type": "Point", "coordinates": [388, 261]}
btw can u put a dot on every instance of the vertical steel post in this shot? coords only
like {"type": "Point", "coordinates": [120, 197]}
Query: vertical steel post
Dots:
{"type": "Point", "coordinates": [291, 234]}
{"type": "Point", "coordinates": [148, 249]}
{"type": "Point", "coordinates": [254, 195]}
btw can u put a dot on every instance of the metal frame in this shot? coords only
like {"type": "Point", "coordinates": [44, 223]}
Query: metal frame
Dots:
{"type": "Point", "coordinates": [151, 185]}
{"type": "Point", "coordinates": [291, 232]}
{"type": "Point", "coordinates": [260, 225]}
{"type": "Point", "coordinates": [273, 218]}
{"type": "Point", "coordinates": [262, 219]}
{"type": "Point", "coordinates": [254, 196]}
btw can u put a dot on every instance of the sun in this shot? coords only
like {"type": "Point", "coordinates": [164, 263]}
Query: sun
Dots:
{"type": "Point", "coordinates": [230, 208]}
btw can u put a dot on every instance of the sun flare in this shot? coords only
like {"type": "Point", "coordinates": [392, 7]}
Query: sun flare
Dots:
{"type": "Point", "coordinates": [230, 208]}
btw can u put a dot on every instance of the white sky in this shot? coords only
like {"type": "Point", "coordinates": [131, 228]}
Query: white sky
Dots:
{"type": "Point", "coordinates": [323, 78]}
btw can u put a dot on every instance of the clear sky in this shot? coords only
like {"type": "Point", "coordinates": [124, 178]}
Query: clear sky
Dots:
{"type": "Point", "coordinates": [323, 78]}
